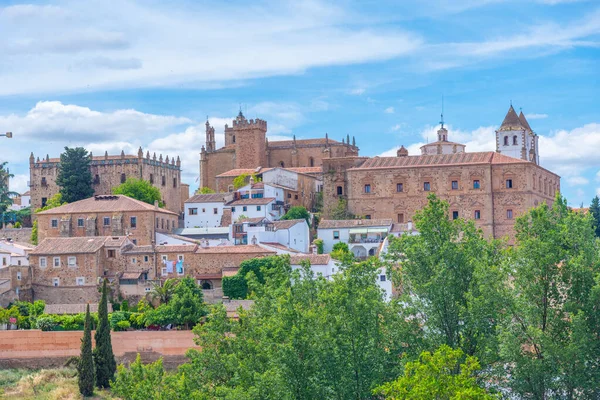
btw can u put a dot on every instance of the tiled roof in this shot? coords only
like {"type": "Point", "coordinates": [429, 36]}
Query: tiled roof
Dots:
{"type": "Point", "coordinates": [351, 223]}
{"type": "Point", "coordinates": [306, 170]}
{"type": "Point", "coordinates": [70, 245]}
{"type": "Point", "coordinates": [524, 122]}
{"type": "Point", "coordinates": [240, 171]}
{"type": "Point", "coordinates": [251, 202]}
{"type": "Point", "coordinates": [116, 241]}
{"type": "Point", "coordinates": [511, 121]}
{"type": "Point", "coordinates": [301, 142]}
{"type": "Point", "coordinates": [315, 259]}
{"type": "Point", "coordinates": [441, 142]}
{"type": "Point", "coordinates": [176, 248]}
{"type": "Point", "coordinates": [207, 198]}
{"type": "Point", "coordinates": [254, 220]}
{"type": "Point", "coordinates": [278, 246]}
{"type": "Point", "coordinates": [138, 250]}
{"type": "Point", "coordinates": [110, 203]}
{"type": "Point", "coordinates": [27, 193]}
{"type": "Point", "coordinates": [131, 275]}
{"type": "Point", "coordinates": [456, 159]}
{"type": "Point", "coordinates": [241, 249]}
{"type": "Point", "coordinates": [287, 224]}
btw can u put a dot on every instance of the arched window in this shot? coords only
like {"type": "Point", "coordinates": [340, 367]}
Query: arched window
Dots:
{"type": "Point", "coordinates": [372, 251]}
{"type": "Point", "coordinates": [207, 285]}
{"type": "Point", "coordinates": [515, 139]}
{"type": "Point", "coordinates": [506, 140]}
{"type": "Point", "coordinates": [311, 161]}
{"type": "Point", "coordinates": [281, 164]}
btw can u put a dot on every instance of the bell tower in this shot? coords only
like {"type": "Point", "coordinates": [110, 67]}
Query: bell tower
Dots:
{"type": "Point", "coordinates": [516, 139]}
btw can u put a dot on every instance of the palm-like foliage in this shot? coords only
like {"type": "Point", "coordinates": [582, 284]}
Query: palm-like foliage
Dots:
{"type": "Point", "coordinates": [5, 194]}
{"type": "Point", "coordinates": [165, 292]}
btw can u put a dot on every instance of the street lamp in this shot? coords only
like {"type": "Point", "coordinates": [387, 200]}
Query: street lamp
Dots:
{"type": "Point", "coordinates": [7, 134]}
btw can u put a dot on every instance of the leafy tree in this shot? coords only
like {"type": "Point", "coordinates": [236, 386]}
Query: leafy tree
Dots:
{"type": "Point", "coordinates": [165, 292]}
{"type": "Point", "coordinates": [451, 280]}
{"type": "Point", "coordinates": [319, 244]}
{"type": "Point", "coordinates": [5, 194]}
{"type": "Point", "coordinates": [236, 287]}
{"type": "Point", "coordinates": [595, 212]}
{"type": "Point", "coordinates": [34, 233]}
{"type": "Point", "coordinates": [85, 366]}
{"type": "Point", "coordinates": [297, 212]}
{"type": "Point", "coordinates": [243, 179]}
{"type": "Point", "coordinates": [53, 202]}
{"type": "Point", "coordinates": [341, 251]}
{"type": "Point", "coordinates": [74, 176]}
{"type": "Point", "coordinates": [550, 344]}
{"type": "Point", "coordinates": [440, 375]}
{"type": "Point", "coordinates": [139, 189]}
{"type": "Point", "coordinates": [104, 359]}
{"type": "Point", "coordinates": [205, 190]}
{"type": "Point", "coordinates": [185, 308]}
{"type": "Point", "coordinates": [340, 211]}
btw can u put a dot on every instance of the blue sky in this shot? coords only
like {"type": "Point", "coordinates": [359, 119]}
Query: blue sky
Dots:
{"type": "Point", "coordinates": [113, 75]}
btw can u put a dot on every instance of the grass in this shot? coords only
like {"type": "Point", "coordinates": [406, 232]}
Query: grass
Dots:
{"type": "Point", "coordinates": [45, 384]}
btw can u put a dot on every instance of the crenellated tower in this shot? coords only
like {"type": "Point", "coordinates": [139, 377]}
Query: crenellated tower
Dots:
{"type": "Point", "coordinates": [248, 137]}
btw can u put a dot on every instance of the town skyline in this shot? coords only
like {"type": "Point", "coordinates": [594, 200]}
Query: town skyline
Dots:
{"type": "Point", "coordinates": [381, 80]}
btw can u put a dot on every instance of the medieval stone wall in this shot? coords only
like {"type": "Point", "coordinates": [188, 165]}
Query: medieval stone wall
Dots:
{"type": "Point", "coordinates": [215, 164]}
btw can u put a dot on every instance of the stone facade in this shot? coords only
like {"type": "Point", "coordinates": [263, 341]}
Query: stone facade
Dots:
{"type": "Point", "coordinates": [246, 147]}
{"type": "Point", "coordinates": [109, 172]}
{"type": "Point", "coordinates": [488, 187]}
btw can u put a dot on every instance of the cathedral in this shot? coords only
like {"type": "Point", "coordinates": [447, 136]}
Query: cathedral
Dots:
{"type": "Point", "coordinates": [247, 147]}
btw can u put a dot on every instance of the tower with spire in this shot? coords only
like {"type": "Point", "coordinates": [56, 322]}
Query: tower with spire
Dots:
{"type": "Point", "coordinates": [516, 139]}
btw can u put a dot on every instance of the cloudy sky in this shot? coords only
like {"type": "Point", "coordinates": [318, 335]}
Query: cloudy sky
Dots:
{"type": "Point", "coordinates": [116, 75]}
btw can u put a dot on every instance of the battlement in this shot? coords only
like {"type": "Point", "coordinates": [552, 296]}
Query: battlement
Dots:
{"type": "Point", "coordinates": [242, 124]}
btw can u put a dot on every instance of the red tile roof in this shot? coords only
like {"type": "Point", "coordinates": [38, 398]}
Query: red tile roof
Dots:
{"type": "Point", "coordinates": [176, 248]}
{"type": "Point", "coordinates": [108, 203]}
{"type": "Point", "coordinates": [240, 171]}
{"type": "Point", "coordinates": [251, 202]}
{"type": "Point", "coordinates": [303, 142]}
{"type": "Point", "coordinates": [207, 198]}
{"type": "Point", "coordinates": [287, 224]}
{"type": "Point", "coordinates": [315, 259]}
{"type": "Point", "coordinates": [70, 245]}
{"type": "Point", "coordinates": [306, 170]}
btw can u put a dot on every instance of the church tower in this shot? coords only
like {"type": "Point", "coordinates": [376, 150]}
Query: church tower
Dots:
{"type": "Point", "coordinates": [210, 138]}
{"type": "Point", "coordinates": [516, 139]}
{"type": "Point", "coordinates": [248, 137]}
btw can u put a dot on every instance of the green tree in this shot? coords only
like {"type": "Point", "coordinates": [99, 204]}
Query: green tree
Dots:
{"type": "Point", "coordinates": [550, 344]}
{"type": "Point", "coordinates": [34, 233]}
{"type": "Point", "coordinates": [74, 176]}
{"type": "Point", "coordinates": [139, 189]}
{"type": "Point", "coordinates": [319, 244]}
{"type": "Point", "coordinates": [595, 212]}
{"type": "Point", "coordinates": [164, 292]}
{"type": "Point", "coordinates": [104, 359]}
{"type": "Point", "coordinates": [340, 211]}
{"type": "Point", "coordinates": [341, 251]}
{"type": "Point", "coordinates": [185, 308]}
{"type": "Point", "coordinates": [5, 194]}
{"type": "Point", "coordinates": [297, 212]}
{"type": "Point", "coordinates": [440, 375]}
{"type": "Point", "coordinates": [53, 202]}
{"type": "Point", "coordinates": [451, 280]}
{"type": "Point", "coordinates": [243, 179]}
{"type": "Point", "coordinates": [85, 366]}
{"type": "Point", "coordinates": [205, 190]}
{"type": "Point", "coordinates": [236, 287]}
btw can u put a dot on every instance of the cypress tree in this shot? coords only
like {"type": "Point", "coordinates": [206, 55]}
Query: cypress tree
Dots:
{"type": "Point", "coordinates": [85, 367]}
{"type": "Point", "coordinates": [103, 353]}
{"type": "Point", "coordinates": [595, 211]}
{"type": "Point", "coordinates": [74, 176]}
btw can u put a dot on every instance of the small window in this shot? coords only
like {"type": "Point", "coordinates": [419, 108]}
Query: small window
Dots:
{"type": "Point", "coordinates": [340, 191]}
{"type": "Point", "coordinates": [244, 208]}
{"type": "Point", "coordinates": [163, 272]}
{"type": "Point", "coordinates": [289, 195]}
{"type": "Point", "coordinates": [111, 253]}
{"type": "Point", "coordinates": [157, 224]}
{"type": "Point", "coordinates": [106, 221]}
{"type": "Point", "coordinates": [148, 289]}
{"type": "Point", "coordinates": [55, 282]}
{"type": "Point", "coordinates": [44, 201]}
{"type": "Point", "coordinates": [311, 161]}
{"type": "Point", "coordinates": [80, 281]}
{"type": "Point", "coordinates": [18, 275]}
{"type": "Point", "coordinates": [454, 214]}
{"type": "Point", "coordinates": [509, 214]}
{"type": "Point", "coordinates": [477, 214]}
{"type": "Point", "coordinates": [515, 140]}
{"type": "Point", "coordinates": [426, 186]}
{"type": "Point", "coordinates": [454, 185]}
{"type": "Point", "coordinates": [174, 182]}
{"type": "Point", "coordinates": [43, 181]}
{"type": "Point", "coordinates": [134, 241]}
{"type": "Point", "coordinates": [368, 216]}
{"type": "Point", "coordinates": [151, 178]}
{"type": "Point", "coordinates": [193, 211]}
{"type": "Point", "coordinates": [19, 263]}
{"type": "Point", "coordinates": [233, 140]}
{"type": "Point", "coordinates": [162, 223]}
{"type": "Point", "coordinates": [164, 180]}
{"type": "Point", "coordinates": [164, 258]}
{"type": "Point", "coordinates": [96, 179]}
{"type": "Point", "coordinates": [476, 184]}
{"type": "Point", "coordinates": [43, 262]}
{"type": "Point", "coordinates": [133, 222]}
{"type": "Point", "coordinates": [203, 210]}
{"type": "Point", "coordinates": [146, 258]}
{"type": "Point", "coordinates": [399, 187]}
{"type": "Point", "coordinates": [506, 140]}
{"type": "Point", "coordinates": [336, 234]}
{"type": "Point", "coordinates": [382, 278]}
{"type": "Point", "coordinates": [232, 209]}
{"type": "Point", "coordinates": [72, 261]}
{"type": "Point", "coordinates": [367, 188]}
{"type": "Point", "coordinates": [179, 257]}
{"type": "Point", "coordinates": [4, 261]}
{"type": "Point", "coordinates": [123, 178]}
{"type": "Point", "coordinates": [400, 218]}
{"type": "Point", "coordinates": [80, 222]}
{"type": "Point", "coordinates": [509, 183]}
{"type": "Point", "coordinates": [215, 211]}
{"type": "Point", "coordinates": [257, 208]}
{"type": "Point", "coordinates": [295, 197]}
{"type": "Point", "coordinates": [56, 262]}
{"type": "Point", "coordinates": [133, 260]}
{"type": "Point", "coordinates": [54, 223]}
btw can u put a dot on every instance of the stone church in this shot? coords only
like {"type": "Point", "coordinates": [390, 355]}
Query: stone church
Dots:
{"type": "Point", "coordinates": [247, 147]}
{"type": "Point", "coordinates": [492, 188]}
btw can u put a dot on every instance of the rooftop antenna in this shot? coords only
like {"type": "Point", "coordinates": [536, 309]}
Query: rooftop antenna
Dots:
{"type": "Point", "coordinates": [442, 115]}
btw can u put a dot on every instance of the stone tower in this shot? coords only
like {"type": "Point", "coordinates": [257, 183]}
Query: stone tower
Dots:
{"type": "Point", "coordinates": [516, 139]}
{"type": "Point", "coordinates": [248, 137]}
{"type": "Point", "coordinates": [210, 137]}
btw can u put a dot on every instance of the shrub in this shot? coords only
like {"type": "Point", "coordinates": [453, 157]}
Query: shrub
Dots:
{"type": "Point", "coordinates": [319, 244]}
{"type": "Point", "coordinates": [45, 323]}
{"type": "Point", "coordinates": [117, 317]}
{"type": "Point", "coordinates": [122, 326]}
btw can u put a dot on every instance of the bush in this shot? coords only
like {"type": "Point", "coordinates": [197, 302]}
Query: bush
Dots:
{"type": "Point", "coordinates": [46, 323]}
{"type": "Point", "coordinates": [117, 317]}
{"type": "Point", "coordinates": [122, 326]}
{"type": "Point", "coordinates": [319, 244]}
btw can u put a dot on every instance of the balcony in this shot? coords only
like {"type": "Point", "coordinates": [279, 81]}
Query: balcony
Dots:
{"type": "Point", "coordinates": [369, 239]}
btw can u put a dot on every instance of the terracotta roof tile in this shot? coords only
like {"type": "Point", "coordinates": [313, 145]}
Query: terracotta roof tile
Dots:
{"type": "Point", "coordinates": [351, 223]}
{"type": "Point", "coordinates": [315, 259]}
{"type": "Point", "coordinates": [287, 224]}
{"type": "Point", "coordinates": [176, 248]}
{"type": "Point", "coordinates": [241, 249]}
{"type": "Point", "coordinates": [70, 245]}
{"type": "Point", "coordinates": [207, 198]}
{"type": "Point", "coordinates": [131, 275]}
{"type": "Point", "coordinates": [110, 203]}
{"type": "Point", "coordinates": [138, 250]}
{"type": "Point", "coordinates": [306, 170]}
{"type": "Point", "coordinates": [240, 171]}
{"type": "Point", "coordinates": [301, 142]}
{"type": "Point", "coordinates": [511, 121]}
{"type": "Point", "coordinates": [251, 202]}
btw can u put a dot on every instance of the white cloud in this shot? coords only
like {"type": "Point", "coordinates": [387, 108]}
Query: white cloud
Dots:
{"type": "Point", "coordinates": [598, 176]}
{"type": "Point", "coordinates": [18, 183]}
{"type": "Point", "coordinates": [84, 46]}
{"type": "Point", "coordinates": [357, 91]}
{"type": "Point", "coordinates": [577, 180]}
{"type": "Point", "coordinates": [396, 127]}
{"type": "Point", "coordinates": [389, 110]}
{"type": "Point", "coordinates": [536, 116]}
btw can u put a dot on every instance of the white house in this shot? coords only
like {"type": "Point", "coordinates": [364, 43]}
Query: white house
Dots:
{"type": "Point", "coordinates": [204, 210]}
{"type": "Point", "coordinates": [262, 207]}
{"type": "Point", "coordinates": [214, 236]}
{"type": "Point", "coordinates": [291, 235]}
{"type": "Point", "coordinates": [20, 202]}
{"type": "Point", "coordinates": [12, 253]}
{"type": "Point", "coordinates": [363, 236]}
{"type": "Point", "coordinates": [323, 264]}
{"type": "Point", "coordinates": [261, 190]}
